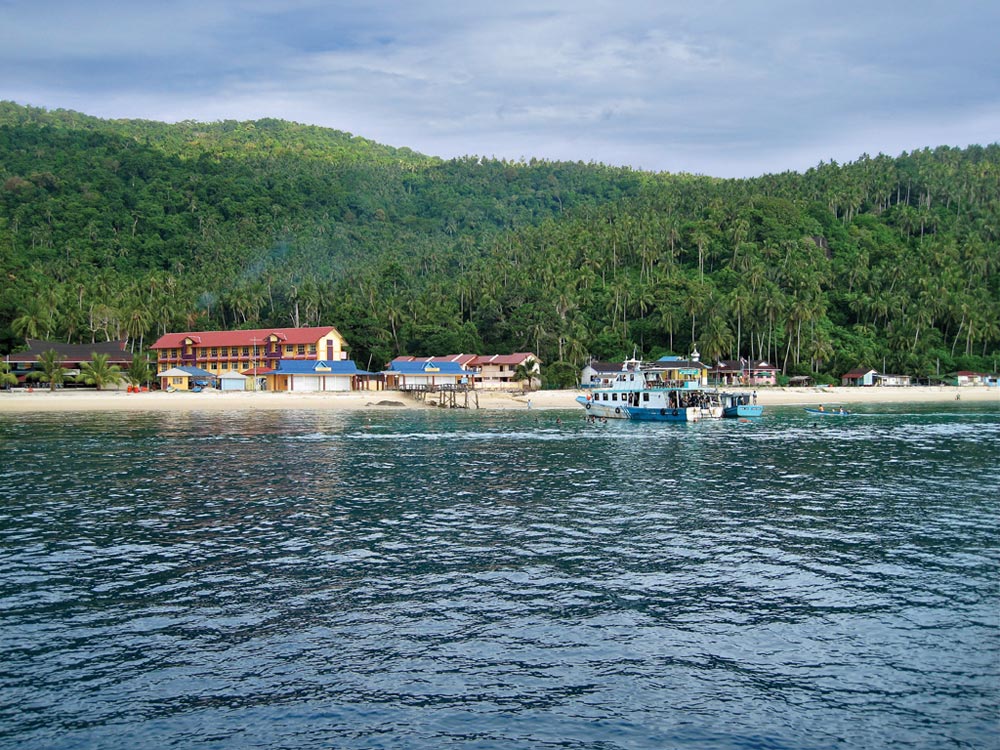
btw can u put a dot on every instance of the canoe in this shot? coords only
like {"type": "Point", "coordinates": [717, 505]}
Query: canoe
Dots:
{"type": "Point", "coordinates": [830, 412]}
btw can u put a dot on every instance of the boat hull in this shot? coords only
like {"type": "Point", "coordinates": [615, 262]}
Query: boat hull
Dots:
{"type": "Point", "coordinates": [599, 410]}
{"type": "Point", "coordinates": [743, 410]}
{"type": "Point", "coordinates": [824, 413]}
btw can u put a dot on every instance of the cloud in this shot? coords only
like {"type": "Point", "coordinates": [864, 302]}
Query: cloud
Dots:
{"type": "Point", "coordinates": [721, 87]}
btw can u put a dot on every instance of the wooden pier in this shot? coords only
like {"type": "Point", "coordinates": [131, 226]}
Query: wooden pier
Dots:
{"type": "Point", "coordinates": [444, 396]}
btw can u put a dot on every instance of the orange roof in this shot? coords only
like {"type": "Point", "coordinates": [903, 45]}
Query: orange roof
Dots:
{"type": "Point", "coordinates": [244, 338]}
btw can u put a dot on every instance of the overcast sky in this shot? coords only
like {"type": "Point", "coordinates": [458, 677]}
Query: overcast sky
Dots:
{"type": "Point", "coordinates": [720, 87]}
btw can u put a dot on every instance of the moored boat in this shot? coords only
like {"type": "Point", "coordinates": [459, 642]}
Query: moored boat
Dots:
{"type": "Point", "coordinates": [643, 395]}
{"type": "Point", "coordinates": [739, 405]}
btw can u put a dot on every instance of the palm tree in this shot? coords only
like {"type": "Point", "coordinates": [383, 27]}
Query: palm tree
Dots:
{"type": "Point", "coordinates": [32, 321]}
{"type": "Point", "coordinates": [138, 371]}
{"type": "Point", "coordinates": [7, 378]}
{"type": "Point", "coordinates": [525, 372]}
{"type": "Point", "coordinates": [99, 373]}
{"type": "Point", "coordinates": [52, 371]}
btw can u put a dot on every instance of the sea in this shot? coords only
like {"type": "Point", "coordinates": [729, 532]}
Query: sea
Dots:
{"type": "Point", "coordinates": [500, 579]}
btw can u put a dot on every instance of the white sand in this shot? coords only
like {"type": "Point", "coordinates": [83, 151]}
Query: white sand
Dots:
{"type": "Point", "coordinates": [42, 400]}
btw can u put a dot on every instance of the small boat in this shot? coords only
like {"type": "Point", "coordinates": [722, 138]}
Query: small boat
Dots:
{"type": "Point", "coordinates": [642, 395]}
{"type": "Point", "coordinates": [738, 405]}
{"type": "Point", "coordinates": [840, 412]}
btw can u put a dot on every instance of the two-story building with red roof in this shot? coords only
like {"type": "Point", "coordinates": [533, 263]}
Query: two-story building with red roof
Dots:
{"type": "Point", "coordinates": [498, 370]}
{"type": "Point", "coordinates": [252, 352]}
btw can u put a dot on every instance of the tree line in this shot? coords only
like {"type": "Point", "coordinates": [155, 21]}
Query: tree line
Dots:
{"type": "Point", "coordinates": [130, 229]}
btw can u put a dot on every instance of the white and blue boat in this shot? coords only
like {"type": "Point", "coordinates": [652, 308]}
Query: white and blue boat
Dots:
{"type": "Point", "coordinates": [645, 395]}
{"type": "Point", "coordinates": [739, 405]}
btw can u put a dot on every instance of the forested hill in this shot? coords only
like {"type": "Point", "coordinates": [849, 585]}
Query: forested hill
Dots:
{"type": "Point", "coordinates": [131, 228]}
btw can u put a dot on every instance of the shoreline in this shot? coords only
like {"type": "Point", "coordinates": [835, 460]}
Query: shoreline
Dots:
{"type": "Point", "coordinates": [21, 401]}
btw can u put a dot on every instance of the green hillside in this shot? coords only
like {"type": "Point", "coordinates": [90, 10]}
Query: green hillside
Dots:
{"type": "Point", "coordinates": [131, 228]}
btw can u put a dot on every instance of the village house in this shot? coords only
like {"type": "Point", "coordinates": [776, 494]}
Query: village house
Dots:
{"type": "Point", "coordinates": [306, 376]}
{"type": "Point", "coordinates": [893, 380]}
{"type": "Point", "coordinates": [860, 376]}
{"type": "Point", "coordinates": [967, 377]}
{"type": "Point", "coordinates": [743, 372]}
{"type": "Point", "coordinates": [186, 378]}
{"type": "Point", "coordinates": [72, 355]}
{"type": "Point", "coordinates": [498, 371]}
{"type": "Point", "coordinates": [431, 373]}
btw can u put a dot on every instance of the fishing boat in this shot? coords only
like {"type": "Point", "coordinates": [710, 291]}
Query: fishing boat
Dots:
{"type": "Point", "coordinates": [838, 412]}
{"type": "Point", "coordinates": [739, 405]}
{"type": "Point", "coordinates": [641, 393]}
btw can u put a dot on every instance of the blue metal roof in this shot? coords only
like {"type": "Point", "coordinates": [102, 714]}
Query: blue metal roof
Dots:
{"type": "Point", "coordinates": [196, 372]}
{"type": "Point", "coordinates": [427, 368]}
{"type": "Point", "coordinates": [322, 367]}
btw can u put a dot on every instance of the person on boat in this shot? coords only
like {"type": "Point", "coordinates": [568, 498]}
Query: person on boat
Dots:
{"type": "Point", "coordinates": [842, 410]}
{"type": "Point", "coordinates": [821, 408]}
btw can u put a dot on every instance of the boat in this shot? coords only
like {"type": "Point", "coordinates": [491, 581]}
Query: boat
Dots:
{"type": "Point", "coordinates": [739, 405]}
{"type": "Point", "coordinates": [839, 412]}
{"type": "Point", "coordinates": [642, 394]}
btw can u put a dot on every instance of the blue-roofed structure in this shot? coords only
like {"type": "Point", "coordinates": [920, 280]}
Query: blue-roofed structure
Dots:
{"type": "Point", "coordinates": [425, 374]}
{"type": "Point", "coordinates": [300, 376]}
{"type": "Point", "coordinates": [186, 378]}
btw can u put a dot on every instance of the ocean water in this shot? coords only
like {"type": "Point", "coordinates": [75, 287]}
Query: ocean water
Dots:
{"type": "Point", "coordinates": [473, 579]}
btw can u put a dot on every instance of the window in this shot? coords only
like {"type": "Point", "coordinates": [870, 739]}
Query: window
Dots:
{"type": "Point", "coordinates": [312, 348]}
{"type": "Point", "coordinates": [289, 348]}
{"type": "Point", "coordinates": [246, 351]}
{"type": "Point", "coordinates": [614, 396]}
{"type": "Point", "coordinates": [215, 352]}
{"type": "Point", "coordinates": [645, 397]}
{"type": "Point", "coordinates": [301, 349]}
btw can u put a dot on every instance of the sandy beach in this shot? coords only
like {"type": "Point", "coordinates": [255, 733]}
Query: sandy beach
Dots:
{"type": "Point", "coordinates": [72, 400]}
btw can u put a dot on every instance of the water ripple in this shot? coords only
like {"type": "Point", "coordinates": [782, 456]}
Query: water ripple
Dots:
{"type": "Point", "coordinates": [510, 580]}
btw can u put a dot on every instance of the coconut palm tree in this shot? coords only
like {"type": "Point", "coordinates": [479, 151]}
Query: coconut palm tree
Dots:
{"type": "Point", "coordinates": [7, 378]}
{"type": "Point", "coordinates": [52, 371]}
{"type": "Point", "coordinates": [525, 372]}
{"type": "Point", "coordinates": [138, 371]}
{"type": "Point", "coordinates": [98, 372]}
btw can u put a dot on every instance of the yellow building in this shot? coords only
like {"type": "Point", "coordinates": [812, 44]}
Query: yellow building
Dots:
{"type": "Point", "coordinates": [248, 352]}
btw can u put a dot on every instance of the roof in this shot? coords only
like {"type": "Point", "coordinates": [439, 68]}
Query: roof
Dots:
{"type": "Point", "coordinates": [251, 337]}
{"type": "Point", "coordinates": [322, 367]}
{"type": "Point", "coordinates": [859, 372]}
{"type": "Point", "coordinates": [605, 366]}
{"type": "Point", "coordinates": [426, 368]}
{"type": "Point", "coordinates": [186, 372]}
{"type": "Point", "coordinates": [232, 375]}
{"type": "Point", "coordinates": [743, 364]}
{"type": "Point", "coordinates": [517, 358]}
{"type": "Point", "coordinates": [462, 359]}
{"type": "Point", "coordinates": [673, 363]}
{"type": "Point", "coordinates": [74, 352]}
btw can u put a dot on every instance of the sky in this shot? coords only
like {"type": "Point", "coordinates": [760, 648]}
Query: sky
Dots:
{"type": "Point", "coordinates": [725, 88]}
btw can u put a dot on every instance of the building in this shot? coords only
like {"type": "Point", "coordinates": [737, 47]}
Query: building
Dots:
{"type": "Point", "coordinates": [185, 379]}
{"type": "Point", "coordinates": [892, 380]}
{"type": "Point", "coordinates": [499, 370]}
{"type": "Point", "coordinates": [676, 371]}
{"type": "Point", "coordinates": [310, 377]}
{"type": "Point", "coordinates": [72, 355]}
{"type": "Point", "coordinates": [859, 376]}
{"type": "Point", "coordinates": [252, 352]}
{"type": "Point", "coordinates": [230, 380]}
{"type": "Point", "coordinates": [431, 374]}
{"type": "Point", "coordinates": [967, 377]}
{"type": "Point", "coordinates": [745, 372]}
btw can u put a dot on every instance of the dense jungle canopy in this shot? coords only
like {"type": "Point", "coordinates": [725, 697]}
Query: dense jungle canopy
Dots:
{"type": "Point", "coordinates": [129, 229]}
